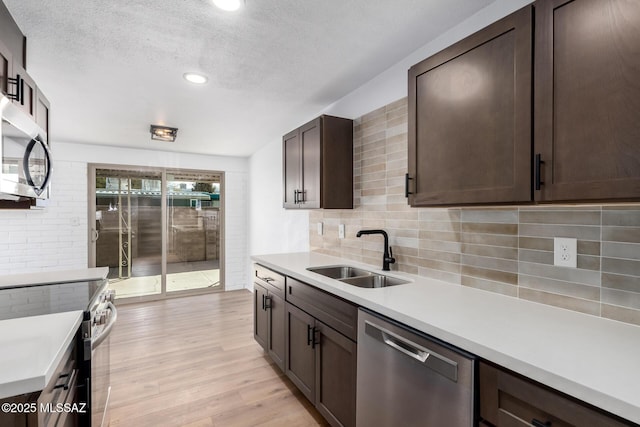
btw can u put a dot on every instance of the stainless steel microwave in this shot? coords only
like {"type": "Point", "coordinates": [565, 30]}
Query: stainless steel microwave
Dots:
{"type": "Point", "coordinates": [26, 159]}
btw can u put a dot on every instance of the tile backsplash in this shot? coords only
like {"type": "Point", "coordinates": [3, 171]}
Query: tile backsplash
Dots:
{"type": "Point", "coordinates": [508, 250]}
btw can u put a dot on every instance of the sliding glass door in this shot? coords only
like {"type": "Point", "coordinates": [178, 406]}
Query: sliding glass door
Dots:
{"type": "Point", "coordinates": [158, 231]}
{"type": "Point", "coordinates": [193, 227]}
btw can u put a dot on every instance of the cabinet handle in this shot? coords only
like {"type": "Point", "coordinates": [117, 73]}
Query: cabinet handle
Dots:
{"type": "Point", "coordinates": [302, 193]}
{"type": "Point", "coordinates": [406, 185]}
{"type": "Point", "coordinates": [263, 302]}
{"type": "Point", "coordinates": [538, 166]}
{"type": "Point", "coordinates": [309, 339]}
{"type": "Point", "coordinates": [267, 302]}
{"type": "Point", "coordinates": [66, 384]}
{"type": "Point", "coordinates": [313, 337]}
{"type": "Point", "coordinates": [537, 423]}
{"type": "Point", "coordinates": [15, 81]}
{"type": "Point", "coordinates": [295, 197]}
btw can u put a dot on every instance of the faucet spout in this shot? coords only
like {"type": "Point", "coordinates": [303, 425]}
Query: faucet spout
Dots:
{"type": "Point", "coordinates": [387, 257]}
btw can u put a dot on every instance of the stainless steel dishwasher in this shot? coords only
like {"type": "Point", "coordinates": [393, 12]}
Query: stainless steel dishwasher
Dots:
{"type": "Point", "coordinates": [406, 378]}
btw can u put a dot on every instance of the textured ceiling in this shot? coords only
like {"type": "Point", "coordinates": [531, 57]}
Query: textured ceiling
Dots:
{"type": "Point", "coordinates": [112, 68]}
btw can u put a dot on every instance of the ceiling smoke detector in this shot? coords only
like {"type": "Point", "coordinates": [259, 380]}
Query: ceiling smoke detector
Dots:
{"type": "Point", "coordinates": [228, 5]}
{"type": "Point", "coordinates": [163, 133]}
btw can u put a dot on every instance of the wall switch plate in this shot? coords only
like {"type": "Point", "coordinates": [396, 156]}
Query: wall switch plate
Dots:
{"type": "Point", "coordinates": [565, 252]}
{"type": "Point", "coordinates": [341, 231]}
{"type": "Point", "coordinates": [319, 229]}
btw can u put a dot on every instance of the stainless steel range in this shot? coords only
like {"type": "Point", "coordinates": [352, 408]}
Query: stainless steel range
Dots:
{"type": "Point", "coordinates": [99, 316]}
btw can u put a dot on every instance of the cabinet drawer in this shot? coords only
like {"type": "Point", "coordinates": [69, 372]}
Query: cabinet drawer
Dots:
{"type": "Point", "coordinates": [331, 310]}
{"type": "Point", "coordinates": [508, 399]}
{"type": "Point", "coordinates": [268, 278]}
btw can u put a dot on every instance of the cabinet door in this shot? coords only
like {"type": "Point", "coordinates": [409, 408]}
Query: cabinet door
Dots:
{"type": "Point", "coordinates": [260, 316]}
{"type": "Point", "coordinates": [300, 359]}
{"type": "Point", "coordinates": [586, 99]}
{"type": "Point", "coordinates": [510, 400]}
{"type": "Point", "coordinates": [27, 101]}
{"type": "Point", "coordinates": [470, 118]}
{"type": "Point", "coordinates": [277, 316]}
{"type": "Point", "coordinates": [292, 169]}
{"type": "Point", "coordinates": [5, 68]}
{"type": "Point", "coordinates": [310, 136]}
{"type": "Point", "coordinates": [336, 360]}
{"type": "Point", "coordinates": [42, 111]}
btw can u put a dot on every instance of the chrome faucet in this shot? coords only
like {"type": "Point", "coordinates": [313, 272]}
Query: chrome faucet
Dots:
{"type": "Point", "coordinates": [387, 257]}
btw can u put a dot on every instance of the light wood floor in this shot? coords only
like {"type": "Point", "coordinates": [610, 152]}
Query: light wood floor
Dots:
{"type": "Point", "coordinates": [193, 361]}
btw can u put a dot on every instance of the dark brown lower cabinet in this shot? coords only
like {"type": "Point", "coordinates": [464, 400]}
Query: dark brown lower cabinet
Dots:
{"type": "Point", "coordinates": [321, 362]}
{"type": "Point", "coordinates": [269, 316]}
{"type": "Point", "coordinates": [507, 399]}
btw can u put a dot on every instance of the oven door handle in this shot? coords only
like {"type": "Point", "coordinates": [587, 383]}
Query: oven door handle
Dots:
{"type": "Point", "coordinates": [107, 330]}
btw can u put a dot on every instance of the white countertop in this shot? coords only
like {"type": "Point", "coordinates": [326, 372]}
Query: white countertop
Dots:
{"type": "Point", "coordinates": [32, 348]}
{"type": "Point", "coordinates": [59, 276]}
{"type": "Point", "coordinates": [591, 358]}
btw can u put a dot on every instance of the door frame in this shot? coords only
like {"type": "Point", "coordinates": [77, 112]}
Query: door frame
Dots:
{"type": "Point", "coordinates": [91, 213]}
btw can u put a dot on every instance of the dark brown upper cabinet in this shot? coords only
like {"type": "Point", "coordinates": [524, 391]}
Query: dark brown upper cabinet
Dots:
{"type": "Point", "coordinates": [586, 100]}
{"type": "Point", "coordinates": [470, 119]}
{"type": "Point", "coordinates": [318, 165]}
{"type": "Point", "coordinates": [6, 68]}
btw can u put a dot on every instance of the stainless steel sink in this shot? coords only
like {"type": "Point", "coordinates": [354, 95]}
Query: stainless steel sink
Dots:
{"type": "Point", "coordinates": [340, 271]}
{"type": "Point", "coordinates": [357, 276]}
{"type": "Point", "coordinates": [374, 281]}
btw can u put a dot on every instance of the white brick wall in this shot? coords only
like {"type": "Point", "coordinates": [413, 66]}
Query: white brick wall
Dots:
{"type": "Point", "coordinates": [56, 238]}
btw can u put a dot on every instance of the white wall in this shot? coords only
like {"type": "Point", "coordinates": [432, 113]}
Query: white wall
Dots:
{"type": "Point", "coordinates": [56, 238]}
{"type": "Point", "coordinates": [274, 229]}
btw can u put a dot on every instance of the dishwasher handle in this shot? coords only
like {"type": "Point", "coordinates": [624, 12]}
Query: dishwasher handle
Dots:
{"type": "Point", "coordinates": [403, 347]}
{"type": "Point", "coordinates": [428, 358]}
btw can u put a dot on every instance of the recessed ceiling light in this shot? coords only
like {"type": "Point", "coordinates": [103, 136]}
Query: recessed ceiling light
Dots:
{"type": "Point", "coordinates": [196, 78]}
{"type": "Point", "coordinates": [229, 5]}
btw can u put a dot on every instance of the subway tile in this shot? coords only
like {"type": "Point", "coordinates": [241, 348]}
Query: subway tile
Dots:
{"type": "Point", "coordinates": [374, 115]}
{"type": "Point", "coordinates": [621, 298]}
{"type": "Point", "coordinates": [545, 230]}
{"type": "Point", "coordinates": [621, 314]}
{"type": "Point", "coordinates": [560, 287]}
{"type": "Point", "coordinates": [488, 285]}
{"type": "Point", "coordinates": [620, 281]}
{"type": "Point", "coordinates": [453, 278]}
{"type": "Point", "coordinates": [538, 257]}
{"type": "Point", "coordinates": [621, 266]}
{"type": "Point", "coordinates": [586, 262]}
{"type": "Point", "coordinates": [490, 239]}
{"type": "Point", "coordinates": [439, 226]}
{"type": "Point", "coordinates": [439, 265]}
{"type": "Point", "coordinates": [621, 250]}
{"type": "Point", "coordinates": [562, 301]}
{"type": "Point", "coordinates": [444, 236]}
{"type": "Point", "coordinates": [401, 104]}
{"type": "Point", "coordinates": [560, 217]}
{"type": "Point", "coordinates": [536, 243]}
{"type": "Point", "coordinates": [439, 245]}
{"type": "Point", "coordinates": [439, 255]}
{"type": "Point", "coordinates": [488, 274]}
{"type": "Point", "coordinates": [500, 264]}
{"type": "Point", "coordinates": [411, 269]}
{"type": "Point", "coordinates": [621, 217]}
{"type": "Point", "coordinates": [452, 215]}
{"type": "Point", "coordinates": [490, 251]}
{"type": "Point", "coordinates": [505, 216]}
{"type": "Point", "coordinates": [575, 275]}
{"type": "Point", "coordinates": [621, 234]}
{"type": "Point", "coordinates": [471, 227]}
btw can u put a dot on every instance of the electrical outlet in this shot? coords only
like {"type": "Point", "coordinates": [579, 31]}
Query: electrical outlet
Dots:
{"type": "Point", "coordinates": [319, 229]}
{"type": "Point", "coordinates": [565, 252]}
{"type": "Point", "coordinates": [341, 231]}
